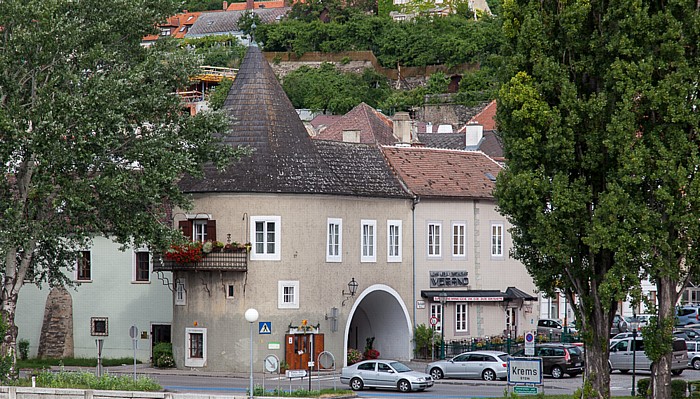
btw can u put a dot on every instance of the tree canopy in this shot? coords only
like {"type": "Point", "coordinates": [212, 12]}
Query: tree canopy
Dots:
{"type": "Point", "coordinates": [92, 137]}
{"type": "Point", "coordinates": [599, 125]}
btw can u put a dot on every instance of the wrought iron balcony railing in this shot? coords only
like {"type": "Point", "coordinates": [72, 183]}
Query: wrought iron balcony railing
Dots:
{"type": "Point", "coordinates": [226, 261]}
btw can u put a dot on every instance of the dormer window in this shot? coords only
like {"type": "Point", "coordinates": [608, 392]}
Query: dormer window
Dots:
{"type": "Point", "coordinates": [165, 31]}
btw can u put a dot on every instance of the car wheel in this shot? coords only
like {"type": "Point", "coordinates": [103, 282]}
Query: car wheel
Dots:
{"type": "Point", "coordinates": [696, 364]}
{"type": "Point", "coordinates": [556, 372]}
{"type": "Point", "coordinates": [677, 372]}
{"type": "Point", "coordinates": [624, 371]}
{"type": "Point", "coordinates": [488, 375]}
{"type": "Point", "coordinates": [404, 386]}
{"type": "Point", "coordinates": [436, 373]}
{"type": "Point", "coordinates": [356, 384]}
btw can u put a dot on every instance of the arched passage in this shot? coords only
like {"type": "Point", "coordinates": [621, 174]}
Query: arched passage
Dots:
{"type": "Point", "coordinates": [380, 312]}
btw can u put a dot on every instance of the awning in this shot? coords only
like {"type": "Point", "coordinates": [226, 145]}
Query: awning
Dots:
{"type": "Point", "coordinates": [510, 294]}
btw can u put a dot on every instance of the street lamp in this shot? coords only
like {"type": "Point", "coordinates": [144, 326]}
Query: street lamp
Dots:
{"type": "Point", "coordinates": [634, 325]}
{"type": "Point", "coordinates": [252, 316]}
{"type": "Point", "coordinates": [443, 300]}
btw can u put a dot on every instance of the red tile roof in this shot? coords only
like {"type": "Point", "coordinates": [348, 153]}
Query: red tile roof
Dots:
{"type": "Point", "coordinates": [438, 173]}
{"type": "Point", "coordinates": [177, 24]}
{"type": "Point", "coordinates": [374, 126]}
{"type": "Point", "coordinates": [257, 4]}
{"type": "Point", "coordinates": [486, 117]}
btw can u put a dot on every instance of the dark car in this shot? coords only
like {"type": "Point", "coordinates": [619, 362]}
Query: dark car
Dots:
{"type": "Point", "coordinates": [558, 359]}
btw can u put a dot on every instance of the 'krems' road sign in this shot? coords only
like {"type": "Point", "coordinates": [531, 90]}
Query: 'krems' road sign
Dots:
{"type": "Point", "coordinates": [526, 374]}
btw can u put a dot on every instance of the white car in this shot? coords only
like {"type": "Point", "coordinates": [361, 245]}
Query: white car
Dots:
{"type": "Point", "coordinates": [378, 373]}
{"type": "Point", "coordinates": [487, 365]}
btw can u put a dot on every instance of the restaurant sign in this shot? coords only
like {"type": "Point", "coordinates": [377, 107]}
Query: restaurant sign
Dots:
{"type": "Point", "coordinates": [448, 279]}
{"type": "Point", "coordinates": [470, 299]}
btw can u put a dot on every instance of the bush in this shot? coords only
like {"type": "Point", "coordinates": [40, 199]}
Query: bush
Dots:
{"type": "Point", "coordinates": [354, 356]}
{"type": "Point", "coordinates": [643, 387]}
{"type": "Point", "coordinates": [23, 349]}
{"type": "Point", "coordinates": [163, 355]}
{"type": "Point", "coordinates": [88, 380]}
{"type": "Point", "coordinates": [678, 389]}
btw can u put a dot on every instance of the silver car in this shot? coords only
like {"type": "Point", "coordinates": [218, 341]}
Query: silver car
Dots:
{"type": "Point", "coordinates": [384, 374]}
{"type": "Point", "coordinates": [487, 365]}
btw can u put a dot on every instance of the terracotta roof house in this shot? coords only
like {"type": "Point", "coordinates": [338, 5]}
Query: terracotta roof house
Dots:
{"type": "Point", "coordinates": [327, 230]}
{"type": "Point", "coordinates": [176, 26]}
{"type": "Point", "coordinates": [246, 5]}
{"type": "Point", "coordinates": [463, 274]}
{"type": "Point", "coordinates": [362, 124]}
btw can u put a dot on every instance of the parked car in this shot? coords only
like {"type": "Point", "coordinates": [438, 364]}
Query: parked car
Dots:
{"type": "Point", "coordinates": [693, 354]}
{"type": "Point", "coordinates": [628, 351]}
{"type": "Point", "coordinates": [552, 327]}
{"type": "Point", "coordinates": [377, 373]}
{"type": "Point", "coordinates": [558, 359]}
{"type": "Point", "coordinates": [618, 325]}
{"type": "Point", "coordinates": [621, 336]}
{"type": "Point", "coordinates": [688, 314]}
{"type": "Point", "coordinates": [487, 365]}
{"type": "Point", "coordinates": [686, 333]}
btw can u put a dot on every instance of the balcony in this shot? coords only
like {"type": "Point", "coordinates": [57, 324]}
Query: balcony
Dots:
{"type": "Point", "coordinates": [225, 261]}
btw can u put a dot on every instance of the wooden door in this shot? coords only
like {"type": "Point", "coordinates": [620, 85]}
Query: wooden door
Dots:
{"type": "Point", "coordinates": [298, 350]}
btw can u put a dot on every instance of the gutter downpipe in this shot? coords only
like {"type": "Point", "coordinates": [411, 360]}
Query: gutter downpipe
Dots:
{"type": "Point", "coordinates": [416, 200]}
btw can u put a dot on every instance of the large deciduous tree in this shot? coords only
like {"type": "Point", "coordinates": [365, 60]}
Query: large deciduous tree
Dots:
{"type": "Point", "coordinates": [92, 136]}
{"type": "Point", "coordinates": [599, 124]}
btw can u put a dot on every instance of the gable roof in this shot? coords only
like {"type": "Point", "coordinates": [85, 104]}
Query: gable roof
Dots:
{"type": "Point", "coordinates": [374, 126]}
{"type": "Point", "coordinates": [256, 5]}
{"type": "Point", "coordinates": [487, 117]}
{"type": "Point", "coordinates": [178, 26]}
{"type": "Point", "coordinates": [437, 173]}
{"type": "Point", "coordinates": [285, 160]}
{"type": "Point", "coordinates": [223, 22]}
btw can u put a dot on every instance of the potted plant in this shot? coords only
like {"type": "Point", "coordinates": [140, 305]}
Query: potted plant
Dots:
{"type": "Point", "coordinates": [185, 253]}
{"type": "Point", "coordinates": [207, 247]}
{"type": "Point", "coordinates": [217, 246]}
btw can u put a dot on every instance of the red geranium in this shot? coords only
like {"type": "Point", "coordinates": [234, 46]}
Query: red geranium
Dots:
{"type": "Point", "coordinates": [188, 253]}
{"type": "Point", "coordinates": [371, 354]}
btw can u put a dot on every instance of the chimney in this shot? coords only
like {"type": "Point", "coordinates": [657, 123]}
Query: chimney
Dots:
{"type": "Point", "coordinates": [225, 5]}
{"type": "Point", "coordinates": [249, 4]}
{"type": "Point", "coordinates": [402, 127]}
{"type": "Point", "coordinates": [474, 132]}
{"type": "Point", "coordinates": [351, 136]}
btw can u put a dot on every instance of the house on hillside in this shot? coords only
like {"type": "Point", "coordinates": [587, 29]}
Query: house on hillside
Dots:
{"type": "Point", "coordinates": [329, 262]}
{"type": "Point", "coordinates": [176, 27]}
{"type": "Point", "coordinates": [114, 291]}
{"type": "Point", "coordinates": [226, 22]}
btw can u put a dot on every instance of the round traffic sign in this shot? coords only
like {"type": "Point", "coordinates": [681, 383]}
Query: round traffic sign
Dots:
{"type": "Point", "coordinates": [529, 337]}
{"type": "Point", "coordinates": [271, 363]}
{"type": "Point", "coordinates": [433, 321]}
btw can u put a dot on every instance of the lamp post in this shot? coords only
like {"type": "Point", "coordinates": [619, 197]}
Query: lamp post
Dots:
{"type": "Point", "coordinates": [252, 316]}
{"type": "Point", "coordinates": [634, 326]}
{"type": "Point", "coordinates": [443, 300]}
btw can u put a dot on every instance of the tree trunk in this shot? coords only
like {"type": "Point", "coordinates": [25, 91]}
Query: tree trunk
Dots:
{"type": "Point", "coordinates": [661, 370]}
{"type": "Point", "coordinates": [596, 341]}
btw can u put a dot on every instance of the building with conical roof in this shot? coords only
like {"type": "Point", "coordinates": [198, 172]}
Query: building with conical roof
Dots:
{"type": "Point", "coordinates": [328, 259]}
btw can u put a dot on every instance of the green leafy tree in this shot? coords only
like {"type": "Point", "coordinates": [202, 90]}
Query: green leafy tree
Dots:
{"type": "Point", "coordinates": [92, 140]}
{"type": "Point", "coordinates": [599, 125]}
{"type": "Point", "coordinates": [218, 94]}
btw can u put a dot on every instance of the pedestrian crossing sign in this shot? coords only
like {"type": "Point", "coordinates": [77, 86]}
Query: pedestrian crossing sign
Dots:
{"type": "Point", "coordinates": [265, 327]}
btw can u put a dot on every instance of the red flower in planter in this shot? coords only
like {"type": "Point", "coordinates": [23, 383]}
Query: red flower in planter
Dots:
{"type": "Point", "coordinates": [371, 354]}
{"type": "Point", "coordinates": [188, 253]}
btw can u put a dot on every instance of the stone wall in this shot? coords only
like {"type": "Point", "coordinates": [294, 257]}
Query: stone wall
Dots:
{"type": "Point", "coordinates": [57, 329]}
{"type": "Point", "coordinates": [58, 393]}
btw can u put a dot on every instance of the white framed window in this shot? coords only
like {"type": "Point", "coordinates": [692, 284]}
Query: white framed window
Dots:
{"type": "Point", "coordinates": [141, 272]}
{"type": "Point", "coordinates": [195, 347]}
{"type": "Point", "coordinates": [368, 240]}
{"type": "Point", "coordinates": [83, 267]}
{"type": "Point", "coordinates": [434, 239]}
{"type": "Point", "coordinates": [199, 230]}
{"type": "Point", "coordinates": [393, 240]}
{"type": "Point", "coordinates": [288, 294]}
{"type": "Point", "coordinates": [334, 240]}
{"type": "Point", "coordinates": [180, 292]}
{"type": "Point", "coordinates": [266, 234]}
{"type": "Point", "coordinates": [496, 239]}
{"type": "Point", "coordinates": [461, 317]}
{"type": "Point", "coordinates": [436, 312]}
{"type": "Point", "coordinates": [459, 239]}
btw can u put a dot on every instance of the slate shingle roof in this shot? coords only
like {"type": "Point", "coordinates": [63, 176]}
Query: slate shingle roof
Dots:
{"type": "Point", "coordinates": [374, 127]}
{"type": "Point", "coordinates": [285, 159]}
{"type": "Point", "coordinates": [438, 173]}
{"type": "Point", "coordinates": [457, 141]}
{"type": "Point", "coordinates": [220, 22]}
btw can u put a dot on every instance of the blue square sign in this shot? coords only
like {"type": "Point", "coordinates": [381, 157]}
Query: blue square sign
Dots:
{"type": "Point", "coordinates": [265, 327]}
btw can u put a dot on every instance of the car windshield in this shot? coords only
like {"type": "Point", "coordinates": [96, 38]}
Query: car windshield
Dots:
{"type": "Point", "coordinates": [400, 367]}
{"type": "Point", "coordinates": [504, 357]}
{"type": "Point", "coordinates": [574, 350]}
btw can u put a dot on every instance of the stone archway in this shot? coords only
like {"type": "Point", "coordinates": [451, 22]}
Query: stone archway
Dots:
{"type": "Point", "coordinates": [379, 312]}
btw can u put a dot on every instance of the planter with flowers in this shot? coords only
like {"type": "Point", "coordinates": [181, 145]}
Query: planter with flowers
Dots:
{"type": "Point", "coordinates": [217, 246]}
{"type": "Point", "coordinates": [354, 356]}
{"type": "Point", "coordinates": [370, 352]}
{"type": "Point", "coordinates": [185, 253]}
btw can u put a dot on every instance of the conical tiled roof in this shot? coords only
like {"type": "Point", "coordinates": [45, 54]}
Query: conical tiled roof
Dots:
{"type": "Point", "coordinates": [285, 160]}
